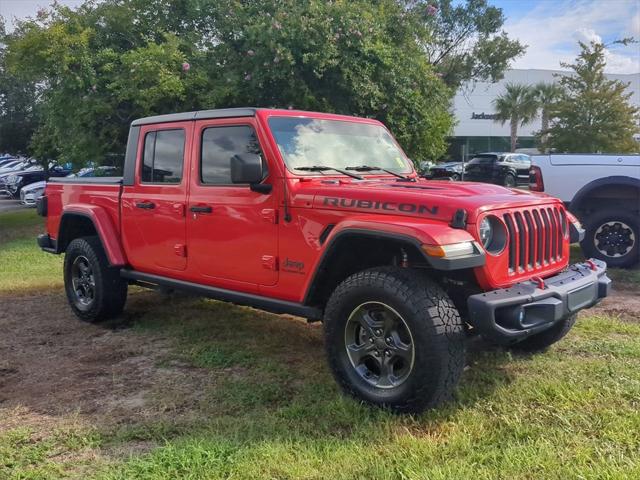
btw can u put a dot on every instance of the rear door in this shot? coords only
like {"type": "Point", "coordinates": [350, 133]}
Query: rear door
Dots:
{"type": "Point", "coordinates": [232, 230]}
{"type": "Point", "coordinates": [153, 209]}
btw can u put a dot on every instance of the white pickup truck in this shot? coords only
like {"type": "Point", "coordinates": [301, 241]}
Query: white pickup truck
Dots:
{"type": "Point", "coordinates": [603, 191]}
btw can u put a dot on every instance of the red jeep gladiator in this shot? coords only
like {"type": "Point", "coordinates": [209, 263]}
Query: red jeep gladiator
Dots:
{"type": "Point", "coordinates": [323, 216]}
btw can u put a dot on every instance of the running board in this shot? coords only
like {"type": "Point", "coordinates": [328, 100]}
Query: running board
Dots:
{"type": "Point", "coordinates": [263, 303]}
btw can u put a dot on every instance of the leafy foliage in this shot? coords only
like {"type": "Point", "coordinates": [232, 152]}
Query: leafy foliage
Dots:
{"type": "Point", "coordinates": [464, 40]}
{"type": "Point", "coordinates": [547, 94]}
{"type": "Point", "coordinates": [109, 62]}
{"type": "Point", "coordinates": [18, 114]}
{"type": "Point", "coordinates": [518, 106]}
{"type": "Point", "coordinates": [594, 114]}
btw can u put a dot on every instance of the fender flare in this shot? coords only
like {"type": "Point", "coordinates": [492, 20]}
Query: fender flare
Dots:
{"type": "Point", "coordinates": [107, 233]}
{"type": "Point", "coordinates": [582, 194]}
{"type": "Point", "coordinates": [396, 232]}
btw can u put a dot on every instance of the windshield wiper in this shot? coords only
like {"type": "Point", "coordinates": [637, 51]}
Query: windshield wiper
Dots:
{"type": "Point", "coordinates": [322, 168]}
{"type": "Point", "coordinates": [369, 168]}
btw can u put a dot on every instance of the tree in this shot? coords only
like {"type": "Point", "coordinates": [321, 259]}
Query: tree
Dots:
{"type": "Point", "coordinates": [594, 114]}
{"type": "Point", "coordinates": [517, 106]}
{"type": "Point", "coordinates": [110, 62]}
{"type": "Point", "coordinates": [18, 106]}
{"type": "Point", "coordinates": [547, 94]}
{"type": "Point", "coordinates": [463, 40]}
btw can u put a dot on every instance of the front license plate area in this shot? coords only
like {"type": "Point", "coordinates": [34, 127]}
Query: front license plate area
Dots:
{"type": "Point", "coordinates": [581, 297]}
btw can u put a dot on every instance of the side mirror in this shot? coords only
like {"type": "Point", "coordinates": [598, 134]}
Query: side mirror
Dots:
{"type": "Point", "coordinates": [247, 168]}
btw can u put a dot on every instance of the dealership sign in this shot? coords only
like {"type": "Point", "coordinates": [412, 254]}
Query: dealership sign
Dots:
{"type": "Point", "coordinates": [483, 116]}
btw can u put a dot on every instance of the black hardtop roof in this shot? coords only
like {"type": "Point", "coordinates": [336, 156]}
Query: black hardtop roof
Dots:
{"type": "Point", "coordinates": [199, 115]}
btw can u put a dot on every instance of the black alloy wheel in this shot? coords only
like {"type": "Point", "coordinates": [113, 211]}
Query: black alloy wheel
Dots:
{"type": "Point", "coordinates": [379, 345]}
{"type": "Point", "coordinates": [84, 283]}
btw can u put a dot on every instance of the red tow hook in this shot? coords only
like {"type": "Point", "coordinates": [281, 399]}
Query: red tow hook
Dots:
{"type": "Point", "coordinates": [592, 264]}
{"type": "Point", "coordinates": [539, 282]}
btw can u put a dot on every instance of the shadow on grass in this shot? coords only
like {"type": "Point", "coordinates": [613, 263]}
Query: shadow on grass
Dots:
{"type": "Point", "coordinates": [269, 378]}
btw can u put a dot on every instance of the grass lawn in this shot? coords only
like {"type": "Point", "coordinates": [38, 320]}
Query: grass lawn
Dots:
{"type": "Point", "coordinates": [254, 399]}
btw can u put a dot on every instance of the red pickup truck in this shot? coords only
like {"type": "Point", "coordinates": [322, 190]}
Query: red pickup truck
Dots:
{"type": "Point", "coordinates": [323, 216]}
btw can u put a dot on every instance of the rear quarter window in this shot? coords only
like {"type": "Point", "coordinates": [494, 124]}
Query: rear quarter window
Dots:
{"type": "Point", "coordinates": [163, 156]}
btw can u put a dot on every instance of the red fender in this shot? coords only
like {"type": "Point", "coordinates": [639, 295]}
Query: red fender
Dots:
{"type": "Point", "coordinates": [103, 224]}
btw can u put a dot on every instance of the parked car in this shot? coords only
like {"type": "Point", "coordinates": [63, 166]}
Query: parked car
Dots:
{"type": "Point", "coordinates": [508, 169]}
{"type": "Point", "coordinates": [323, 216]}
{"type": "Point", "coordinates": [14, 183]}
{"type": "Point", "coordinates": [603, 191]}
{"type": "Point", "coordinates": [451, 170]}
{"type": "Point", "coordinates": [13, 165]}
{"type": "Point", "coordinates": [6, 160]}
{"type": "Point", "coordinates": [30, 193]}
{"type": "Point", "coordinates": [102, 171]}
{"type": "Point", "coordinates": [424, 168]}
{"type": "Point", "coordinates": [10, 171]}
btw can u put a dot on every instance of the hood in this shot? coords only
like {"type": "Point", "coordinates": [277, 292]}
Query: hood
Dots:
{"type": "Point", "coordinates": [34, 186]}
{"type": "Point", "coordinates": [430, 199]}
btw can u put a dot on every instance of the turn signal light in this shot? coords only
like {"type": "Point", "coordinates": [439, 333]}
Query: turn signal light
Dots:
{"type": "Point", "coordinates": [449, 251]}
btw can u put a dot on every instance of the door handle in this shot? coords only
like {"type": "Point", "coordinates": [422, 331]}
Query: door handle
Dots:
{"type": "Point", "coordinates": [201, 209]}
{"type": "Point", "coordinates": [146, 205]}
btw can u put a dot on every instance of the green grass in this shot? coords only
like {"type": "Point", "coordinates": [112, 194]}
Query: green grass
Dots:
{"type": "Point", "coordinates": [270, 409]}
{"type": "Point", "coordinates": [23, 266]}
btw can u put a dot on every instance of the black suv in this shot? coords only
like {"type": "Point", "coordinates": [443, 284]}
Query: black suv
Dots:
{"type": "Point", "coordinates": [508, 169]}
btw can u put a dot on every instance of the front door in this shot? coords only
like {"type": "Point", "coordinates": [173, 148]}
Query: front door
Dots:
{"type": "Point", "coordinates": [232, 230]}
{"type": "Point", "coordinates": [153, 209]}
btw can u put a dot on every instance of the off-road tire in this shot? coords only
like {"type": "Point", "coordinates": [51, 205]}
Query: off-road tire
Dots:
{"type": "Point", "coordinates": [435, 327]}
{"type": "Point", "coordinates": [510, 181]}
{"type": "Point", "coordinates": [599, 218]}
{"type": "Point", "coordinates": [543, 340]}
{"type": "Point", "coordinates": [110, 289]}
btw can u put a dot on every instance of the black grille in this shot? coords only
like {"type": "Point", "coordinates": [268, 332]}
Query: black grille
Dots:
{"type": "Point", "coordinates": [535, 237]}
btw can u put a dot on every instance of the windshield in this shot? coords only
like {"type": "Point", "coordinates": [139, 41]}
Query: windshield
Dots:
{"type": "Point", "coordinates": [482, 159]}
{"type": "Point", "coordinates": [308, 142]}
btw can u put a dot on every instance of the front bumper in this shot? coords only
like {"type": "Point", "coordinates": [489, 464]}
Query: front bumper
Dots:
{"type": "Point", "coordinates": [509, 315]}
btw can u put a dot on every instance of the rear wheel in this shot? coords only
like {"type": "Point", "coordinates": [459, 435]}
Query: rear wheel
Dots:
{"type": "Point", "coordinates": [95, 290]}
{"type": "Point", "coordinates": [394, 339]}
{"type": "Point", "coordinates": [509, 180]}
{"type": "Point", "coordinates": [612, 236]}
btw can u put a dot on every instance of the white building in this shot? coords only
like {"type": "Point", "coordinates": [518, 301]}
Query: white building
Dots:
{"type": "Point", "coordinates": [476, 131]}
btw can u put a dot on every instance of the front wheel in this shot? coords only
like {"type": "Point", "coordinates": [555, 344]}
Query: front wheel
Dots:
{"type": "Point", "coordinates": [94, 289]}
{"type": "Point", "coordinates": [612, 236]}
{"type": "Point", "coordinates": [394, 339]}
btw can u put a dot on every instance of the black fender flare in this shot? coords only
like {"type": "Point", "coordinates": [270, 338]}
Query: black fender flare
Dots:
{"type": "Point", "coordinates": [584, 192]}
{"type": "Point", "coordinates": [476, 259]}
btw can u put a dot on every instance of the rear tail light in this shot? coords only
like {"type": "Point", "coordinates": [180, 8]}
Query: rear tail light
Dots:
{"type": "Point", "coordinates": [536, 184]}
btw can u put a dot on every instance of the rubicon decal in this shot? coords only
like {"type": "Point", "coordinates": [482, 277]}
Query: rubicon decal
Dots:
{"type": "Point", "coordinates": [378, 205]}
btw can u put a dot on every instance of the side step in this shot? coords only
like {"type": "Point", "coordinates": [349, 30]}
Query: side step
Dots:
{"type": "Point", "coordinates": [247, 299]}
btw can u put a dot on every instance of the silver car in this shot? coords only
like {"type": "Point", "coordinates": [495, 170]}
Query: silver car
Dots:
{"type": "Point", "coordinates": [30, 194]}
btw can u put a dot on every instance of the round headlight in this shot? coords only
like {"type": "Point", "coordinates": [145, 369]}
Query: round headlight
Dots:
{"type": "Point", "coordinates": [493, 234]}
{"type": "Point", "coordinates": [486, 232]}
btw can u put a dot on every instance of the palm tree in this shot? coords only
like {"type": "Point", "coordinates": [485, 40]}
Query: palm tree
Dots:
{"type": "Point", "coordinates": [518, 106]}
{"type": "Point", "coordinates": [546, 95]}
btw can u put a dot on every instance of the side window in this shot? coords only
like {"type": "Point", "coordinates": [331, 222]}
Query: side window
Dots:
{"type": "Point", "coordinates": [163, 156]}
{"type": "Point", "coordinates": [219, 145]}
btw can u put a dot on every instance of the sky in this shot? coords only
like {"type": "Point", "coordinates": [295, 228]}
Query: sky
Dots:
{"type": "Point", "coordinates": [550, 28]}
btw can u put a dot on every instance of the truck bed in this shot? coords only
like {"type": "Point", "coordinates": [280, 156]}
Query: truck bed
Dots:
{"type": "Point", "coordinates": [65, 192]}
